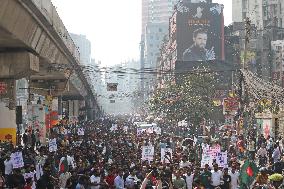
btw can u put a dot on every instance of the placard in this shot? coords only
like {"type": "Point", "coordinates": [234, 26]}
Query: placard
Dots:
{"type": "Point", "coordinates": [81, 132]}
{"type": "Point", "coordinates": [52, 145]}
{"type": "Point", "coordinates": [214, 153]}
{"type": "Point", "coordinates": [114, 127]}
{"type": "Point", "coordinates": [17, 160]}
{"type": "Point", "coordinates": [166, 154]}
{"type": "Point", "coordinates": [148, 153]}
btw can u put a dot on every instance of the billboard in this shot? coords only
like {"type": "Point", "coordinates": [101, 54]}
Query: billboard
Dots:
{"type": "Point", "coordinates": [112, 86]}
{"type": "Point", "coordinates": [200, 32]}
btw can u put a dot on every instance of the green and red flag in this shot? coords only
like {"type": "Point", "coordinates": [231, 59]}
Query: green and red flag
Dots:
{"type": "Point", "coordinates": [248, 173]}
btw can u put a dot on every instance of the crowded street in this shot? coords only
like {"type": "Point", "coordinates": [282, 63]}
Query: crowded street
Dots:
{"type": "Point", "coordinates": [142, 94]}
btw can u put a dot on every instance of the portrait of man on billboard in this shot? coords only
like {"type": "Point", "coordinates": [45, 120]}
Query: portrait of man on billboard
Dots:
{"type": "Point", "coordinates": [198, 51]}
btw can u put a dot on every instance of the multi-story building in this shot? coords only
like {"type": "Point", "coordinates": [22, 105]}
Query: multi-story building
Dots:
{"type": "Point", "coordinates": [155, 23]}
{"type": "Point", "coordinates": [124, 98]}
{"type": "Point", "coordinates": [278, 61]}
{"type": "Point", "coordinates": [84, 46]}
{"type": "Point", "coordinates": [263, 13]}
{"type": "Point", "coordinates": [156, 11]}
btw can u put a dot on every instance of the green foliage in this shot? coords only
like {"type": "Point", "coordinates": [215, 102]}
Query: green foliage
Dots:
{"type": "Point", "coordinates": [190, 99]}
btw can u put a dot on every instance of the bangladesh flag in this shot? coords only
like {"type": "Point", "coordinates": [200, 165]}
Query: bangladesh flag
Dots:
{"type": "Point", "coordinates": [63, 166]}
{"type": "Point", "coordinates": [248, 173]}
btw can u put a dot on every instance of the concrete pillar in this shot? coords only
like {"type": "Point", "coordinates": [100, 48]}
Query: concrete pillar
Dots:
{"type": "Point", "coordinates": [76, 108]}
{"type": "Point", "coordinates": [71, 108]}
{"type": "Point", "coordinates": [60, 108]}
{"type": "Point", "coordinates": [18, 65]}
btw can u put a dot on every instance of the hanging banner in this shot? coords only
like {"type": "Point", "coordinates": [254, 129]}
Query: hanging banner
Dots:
{"type": "Point", "coordinates": [36, 120]}
{"type": "Point", "coordinates": [147, 153]}
{"type": "Point", "coordinates": [52, 145]}
{"type": "Point", "coordinates": [267, 128]}
{"type": "Point", "coordinates": [17, 160]}
{"type": "Point", "coordinates": [166, 155]}
{"type": "Point", "coordinates": [230, 105]}
{"type": "Point", "coordinates": [112, 86]}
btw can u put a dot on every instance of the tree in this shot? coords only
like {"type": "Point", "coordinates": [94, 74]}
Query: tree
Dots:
{"type": "Point", "coordinates": [189, 98]}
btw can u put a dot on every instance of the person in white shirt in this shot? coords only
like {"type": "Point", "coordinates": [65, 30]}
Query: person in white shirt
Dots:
{"type": "Point", "coordinates": [189, 178]}
{"type": "Point", "coordinates": [8, 165]}
{"type": "Point", "coordinates": [118, 181]}
{"type": "Point", "coordinates": [234, 178]}
{"type": "Point", "coordinates": [216, 176]}
{"type": "Point", "coordinates": [131, 180]}
{"type": "Point", "coordinates": [95, 180]}
{"type": "Point", "coordinates": [184, 162]}
{"type": "Point", "coordinates": [276, 155]}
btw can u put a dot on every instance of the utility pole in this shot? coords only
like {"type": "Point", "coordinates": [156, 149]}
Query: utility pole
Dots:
{"type": "Point", "coordinates": [242, 91]}
{"type": "Point", "coordinates": [247, 39]}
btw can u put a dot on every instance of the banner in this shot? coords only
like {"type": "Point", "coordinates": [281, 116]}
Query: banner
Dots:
{"type": "Point", "coordinates": [36, 120]}
{"type": "Point", "coordinates": [17, 160]}
{"type": "Point", "coordinates": [81, 132]}
{"type": "Point", "coordinates": [112, 86]}
{"type": "Point", "coordinates": [52, 145]}
{"type": "Point", "coordinates": [166, 154]}
{"type": "Point", "coordinates": [210, 154]}
{"type": "Point", "coordinates": [267, 128]}
{"type": "Point", "coordinates": [147, 153]}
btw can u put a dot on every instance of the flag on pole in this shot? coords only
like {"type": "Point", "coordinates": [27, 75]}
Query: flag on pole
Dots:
{"type": "Point", "coordinates": [248, 173]}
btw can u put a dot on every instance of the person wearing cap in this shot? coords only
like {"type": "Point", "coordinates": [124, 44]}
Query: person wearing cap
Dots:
{"type": "Point", "coordinates": [276, 181]}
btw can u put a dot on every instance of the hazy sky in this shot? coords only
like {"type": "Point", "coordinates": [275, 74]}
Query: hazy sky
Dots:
{"type": "Point", "coordinates": [112, 26]}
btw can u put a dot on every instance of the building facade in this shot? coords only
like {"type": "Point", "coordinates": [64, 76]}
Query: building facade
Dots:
{"type": "Point", "coordinates": [156, 11]}
{"type": "Point", "coordinates": [84, 47]}
{"type": "Point", "coordinates": [155, 25]}
{"type": "Point", "coordinates": [263, 13]}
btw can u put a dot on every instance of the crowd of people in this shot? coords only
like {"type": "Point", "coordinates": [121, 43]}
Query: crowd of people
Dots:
{"type": "Point", "coordinates": [108, 157]}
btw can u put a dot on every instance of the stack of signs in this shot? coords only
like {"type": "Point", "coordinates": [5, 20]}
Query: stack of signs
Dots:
{"type": "Point", "coordinates": [81, 132]}
{"type": "Point", "coordinates": [166, 155]}
{"type": "Point", "coordinates": [214, 153]}
{"type": "Point", "coordinates": [17, 160]}
{"type": "Point", "coordinates": [148, 153]}
{"type": "Point", "coordinates": [52, 145]}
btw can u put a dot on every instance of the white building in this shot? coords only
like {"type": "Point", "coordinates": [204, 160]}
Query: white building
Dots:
{"type": "Point", "coordinates": [84, 46]}
{"type": "Point", "coordinates": [122, 101]}
{"type": "Point", "coordinates": [262, 13]}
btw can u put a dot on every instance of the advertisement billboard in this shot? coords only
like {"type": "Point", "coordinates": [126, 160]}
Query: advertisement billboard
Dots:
{"type": "Point", "coordinates": [200, 32]}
